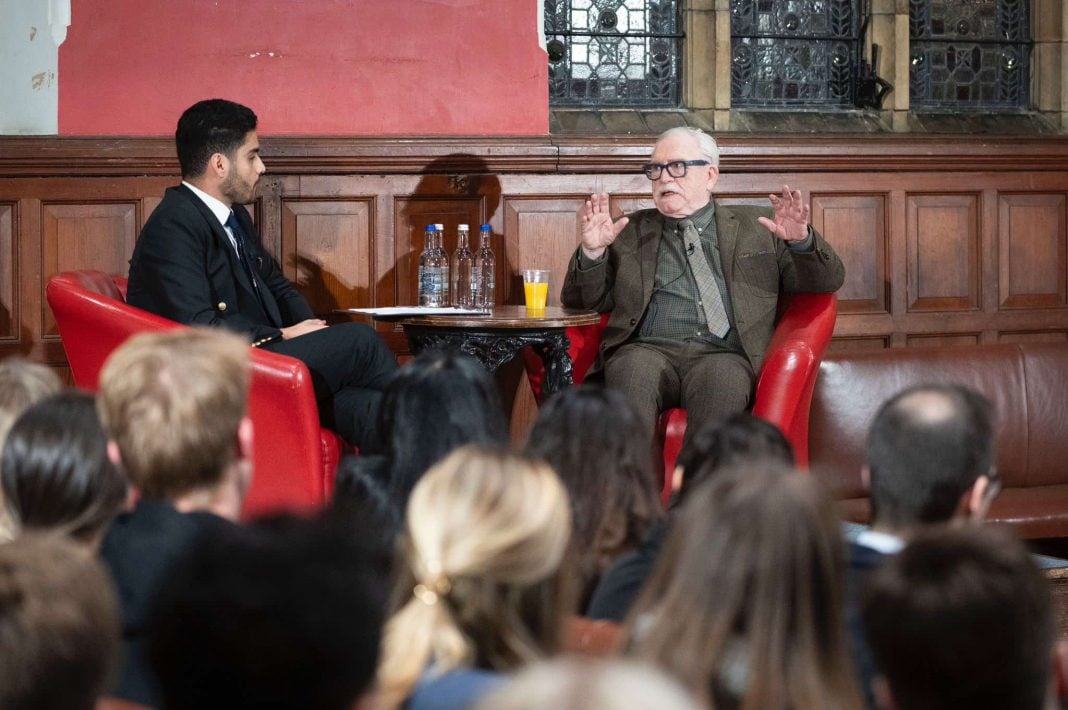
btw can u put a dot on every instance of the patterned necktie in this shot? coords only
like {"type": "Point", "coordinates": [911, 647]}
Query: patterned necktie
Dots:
{"type": "Point", "coordinates": [711, 302]}
{"type": "Point", "coordinates": [239, 240]}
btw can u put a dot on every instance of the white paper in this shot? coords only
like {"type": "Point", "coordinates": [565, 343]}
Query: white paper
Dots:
{"type": "Point", "coordinates": [419, 311]}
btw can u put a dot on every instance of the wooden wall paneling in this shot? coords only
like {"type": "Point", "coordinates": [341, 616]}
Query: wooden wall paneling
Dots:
{"type": "Point", "coordinates": [90, 235]}
{"type": "Point", "coordinates": [855, 225]}
{"type": "Point", "coordinates": [326, 251]}
{"type": "Point", "coordinates": [1047, 336]}
{"type": "Point", "coordinates": [845, 345]}
{"type": "Point", "coordinates": [9, 331]}
{"type": "Point", "coordinates": [943, 244]}
{"type": "Point", "coordinates": [1032, 251]}
{"type": "Point", "coordinates": [942, 339]}
{"type": "Point", "coordinates": [540, 233]}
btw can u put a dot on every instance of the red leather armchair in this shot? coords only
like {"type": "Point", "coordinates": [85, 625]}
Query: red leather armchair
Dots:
{"type": "Point", "coordinates": [294, 458]}
{"type": "Point", "coordinates": [784, 386]}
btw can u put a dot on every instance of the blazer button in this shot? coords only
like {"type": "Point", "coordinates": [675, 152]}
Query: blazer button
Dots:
{"type": "Point", "coordinates": [633, 321]}
{"type": "Point", "coordinates": [222, 305]}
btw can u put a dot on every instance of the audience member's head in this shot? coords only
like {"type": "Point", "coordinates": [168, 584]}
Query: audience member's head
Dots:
{"type": "Point", "coordinates": [590, 684]}
{"type": "Point", "coordinates": [961, 618]}
{"type": "Point", "coordinates": [595, 442]}
{"type": "Point", "coordinates": [481, 583]}
{"type": "Point", "coordinates": [741, 438]}
{"type": "Point", "coordinates": [174, 404]}
{"type": "Point", "coordinates": [439, 401]}
{"type": "Point", "coordinates": [209, 127]}
{"type": "Point", "coordinates": [55, 469]}
{"type": "Point", "coordinates": [930, 453]}
{"type": "Point", "coordinates": [59, 625]}
{"type": "Point", "coordinates": [745, 605]}
{"type": "Point", "coordinates": [22, 382]}
{"type": "Point", "coordinates": [287, 613]}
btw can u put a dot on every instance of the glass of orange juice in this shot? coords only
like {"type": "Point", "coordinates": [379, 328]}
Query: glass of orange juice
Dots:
{"type": "Point", "coordinates": [535, 290]}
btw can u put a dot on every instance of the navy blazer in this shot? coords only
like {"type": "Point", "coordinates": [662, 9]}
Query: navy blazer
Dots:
{"type": "Point", "coordinates": [184, 267]}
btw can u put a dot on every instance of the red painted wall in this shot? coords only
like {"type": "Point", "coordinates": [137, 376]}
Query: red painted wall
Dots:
{"type": "Point", "coordinates": [335, 67]}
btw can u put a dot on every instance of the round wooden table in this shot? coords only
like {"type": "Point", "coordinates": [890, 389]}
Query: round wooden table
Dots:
{"type": "Point", "coordinates": [497, 337]}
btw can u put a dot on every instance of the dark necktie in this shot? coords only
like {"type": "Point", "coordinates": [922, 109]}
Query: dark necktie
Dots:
{"type": "Point", "coordinates": [239, 240]}
{"type": "Point", "coordinates": [711, 302]}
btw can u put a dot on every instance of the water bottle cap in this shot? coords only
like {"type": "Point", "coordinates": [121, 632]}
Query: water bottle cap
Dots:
{"type": "Point", "coordinates": [462, 226]}
{"type": "Point", "coordinates": [440, 227]}
{"type": "Point", "coordinates": [484, 228]}
{"type": "Point", "coordinates": [430, 228]}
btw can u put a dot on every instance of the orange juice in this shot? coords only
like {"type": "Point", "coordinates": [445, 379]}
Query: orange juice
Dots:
{"type": "Point", "coordinates": [536, 295]}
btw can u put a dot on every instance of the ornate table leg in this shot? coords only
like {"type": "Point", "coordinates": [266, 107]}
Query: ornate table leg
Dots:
{"type": "Point", "coordinates": [558, 366]}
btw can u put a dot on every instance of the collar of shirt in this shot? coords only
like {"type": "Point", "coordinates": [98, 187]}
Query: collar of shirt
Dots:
{"type": "Point", "coordinates": [217, 207]}
{"type": "Point", "coordinates": [701, 218]}
{"type": "Point", "coordinates": [881, 542]}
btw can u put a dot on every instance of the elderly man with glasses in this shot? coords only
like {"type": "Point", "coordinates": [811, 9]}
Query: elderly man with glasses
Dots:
{"type": "Point", "coordinates": [692, 286]}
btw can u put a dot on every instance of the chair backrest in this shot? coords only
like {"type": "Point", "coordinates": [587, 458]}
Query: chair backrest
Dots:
{"type": "Point", "coordinates": [94, 320]}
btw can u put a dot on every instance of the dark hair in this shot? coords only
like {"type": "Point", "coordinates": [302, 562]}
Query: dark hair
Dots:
{"type": "Point", "coordinates": [59, 625]}
{"type": "Point", "coordinates": [740, 438]}
{"type": "Point", "coordinates": [927, 446]}
{"type": "Point", "coordinates": [209, 127]}
{"type": "Point", "coordinates": [438, 402]}
{"type": "Point", "coordinates": [751, 579]}
{"type": "Point", "coordinates": [596, 443]}
{"type": "Point", "coordinates": [55, 469]}
{"type": "Point", "coordinates": [961, 618]}
{"type": "Point", "coordinates": [286, 613]}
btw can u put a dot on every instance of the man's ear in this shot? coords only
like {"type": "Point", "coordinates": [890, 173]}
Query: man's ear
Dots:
{"type": "Point", "coordinates": [218, 165]}
{"type": "Point", "coordinates": [975, 500]}
{"type": "Point", "coordinates": [713, 176]}
{"type": "Point", "coordinates": [114, 455]}
{"type": "Point", "coordinates": [245, 438]}
{"type": "Point", "coordinates": [865, 477]}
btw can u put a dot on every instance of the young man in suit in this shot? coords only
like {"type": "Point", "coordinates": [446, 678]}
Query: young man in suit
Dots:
{"type": "Point", "coordinates": [692, 286]}
{"type": "Point", "coordinates": [199, 261]}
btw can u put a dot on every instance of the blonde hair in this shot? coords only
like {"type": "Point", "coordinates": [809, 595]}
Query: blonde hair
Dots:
{"type": "Point", "coordinates": [486, 535]}
{"type": "Point", "coordinates": [22, 383]}
{"type": "Point", "coordinates": [577, 683]}
{"type": "Point", "coordinates": [745, 605]}
{"type": "Point", "coordinates": [173, 402]}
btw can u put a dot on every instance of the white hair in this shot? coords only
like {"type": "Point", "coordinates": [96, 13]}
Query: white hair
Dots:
{"type": "Point", "coordinates": [706, 143]}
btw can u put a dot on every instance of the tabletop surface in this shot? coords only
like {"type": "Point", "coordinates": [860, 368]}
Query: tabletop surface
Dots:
{"type": "Point", "coordinates": [507, 317]}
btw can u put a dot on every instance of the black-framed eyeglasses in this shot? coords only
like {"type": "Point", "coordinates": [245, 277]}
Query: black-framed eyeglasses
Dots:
{"type": "Point", "coordinates": [676, 168]}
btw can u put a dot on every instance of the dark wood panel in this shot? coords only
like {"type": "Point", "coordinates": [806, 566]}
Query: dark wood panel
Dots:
{"type": "Point", "coordinates": [855, 225]}
{"type": "Point", "coordinates": [86, 236]}
{"type": "Point", "coordinates": [845, 345]}
{"type": "Point", "coordinates": [944, 339]}
{"type": "Point", "coordinates": [942, 243]}
{"type": "Point", "coordinates": [8, 272]}
{"type": "Point", "coordinates": [1032, 251]}
{"type": "Point", "coordinates": [1049, 336]}
{"type": "Point", "coordinates": [540, 233]}
{"type": "Point", "coordinates": [326, 251]}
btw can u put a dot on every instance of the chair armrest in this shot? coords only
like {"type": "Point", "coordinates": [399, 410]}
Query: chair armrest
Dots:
{"type": "Point", "coordinates": [788, 375]}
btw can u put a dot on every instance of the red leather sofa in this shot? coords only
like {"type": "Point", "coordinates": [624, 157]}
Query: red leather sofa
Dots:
{"type": "Point", "coordinates": [784, 386]}
{"type": "Point", "coordinates": [294, 459]}
{"type": "Point", "coordinates": [1028, 386]}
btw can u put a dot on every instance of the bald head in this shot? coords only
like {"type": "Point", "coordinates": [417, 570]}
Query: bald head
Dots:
{"type": "Point", "coordinates": [927, 446]}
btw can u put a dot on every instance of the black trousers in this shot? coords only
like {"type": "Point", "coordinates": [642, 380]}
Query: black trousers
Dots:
{"type": "Point", "coordinates": [350, 366]}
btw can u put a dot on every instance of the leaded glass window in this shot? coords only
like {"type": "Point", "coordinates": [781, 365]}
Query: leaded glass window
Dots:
{"type": "Point", "coordinates": [613, 52]}
{"type": "Point", "coordinates": [969, 54]}
{"type": "Point", "coordinates": [794, 53]}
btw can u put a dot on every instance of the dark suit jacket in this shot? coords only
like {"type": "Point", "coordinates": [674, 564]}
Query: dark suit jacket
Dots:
{"type": "Point", "coordinates": [185, 268]}
{"type": "Point", "coordinates": [757, 267]}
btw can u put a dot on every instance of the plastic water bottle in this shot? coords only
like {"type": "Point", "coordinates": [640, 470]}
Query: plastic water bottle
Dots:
{"type": "Point", "coordinates": [463, 276]}
{"type": "Point", "coordinates": [443, 264]}
{"type": "Point", "coordinates": [429, 272]}
{"type": "Point", "coordinates": [485, 271]}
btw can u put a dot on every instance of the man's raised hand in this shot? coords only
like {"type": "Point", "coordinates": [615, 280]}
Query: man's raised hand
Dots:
{"type": "Point", "coordinates": [598, 229]}
{"type": "Point", "coordinates": [790, 221]}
